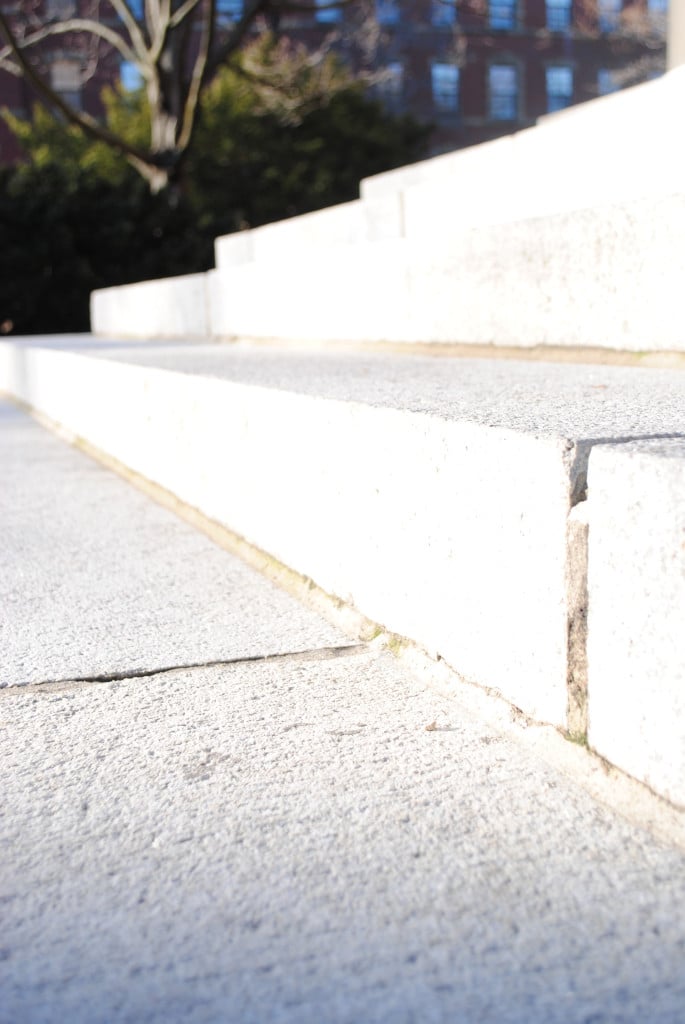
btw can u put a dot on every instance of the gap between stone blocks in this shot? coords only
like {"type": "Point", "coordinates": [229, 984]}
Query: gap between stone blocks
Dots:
{"type": "Point", "coordinates": [577, 548]}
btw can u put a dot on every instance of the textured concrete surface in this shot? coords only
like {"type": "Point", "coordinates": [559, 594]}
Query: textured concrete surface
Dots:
{"type": "Point", "coordinates": [433, 496]}
{"type": "Point", "coordinates": [309, 838]}
{"type": "Point", "coordinates": [94, 578]}
{"type": "Point", "coordinates": [289, 842]}
{"type": "Point", "coordinates": [636, 634]}
{"type": "Point", "coordinates": [583, 402]}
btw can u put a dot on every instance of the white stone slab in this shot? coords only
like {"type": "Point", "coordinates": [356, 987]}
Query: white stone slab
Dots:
{"type": "Point", "coordinates": [96, 578]}
{"type": "Point", "coordinates": [172, 307]}
{"type": "Point", "coordinates": [548, 171]}
{"type": "Point", "coordinates": [518, 283]}
{"type": "Point", "coordinates": [287, 842]}
{"type": "Point", "coordinates": [427, 526]}
{"type": "Point", "coordinates": [233, 250]}
{"type": "Point", "coordinates": [287, 242]}
{"type": "Point", "coordinates": [586, 160]}
{"type": "Point", "coordinates": [384, 217]}
{"type": "Point", "coordinates": [344, 293]}
{"type": "Point", "coordinates": [586, 156]}
{"type": "Point", "coordinates": [604, 277]}
{"type": "Point", "coordinates": [453, 249]}
{"type": "Point", "coordinates": [438, 169]}
{"type": "Point", "coordinates": [432, 495]}
{"type": "Point", "coordinates": [636, 642]}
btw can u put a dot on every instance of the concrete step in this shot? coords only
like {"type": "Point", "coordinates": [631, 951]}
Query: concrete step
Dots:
{"type": "Point", "coordinates": [87, 591]}
{"type": "Point", "coordinates": [446, 500]}
{"type": "Point", "coordinates": [636, 605]}
{"type": "Point", "coordinates": [605, 277]}
{"type": "Point", "coordinates": [285, 830]}
{"type": "Point", "coordinates": [566, 235]}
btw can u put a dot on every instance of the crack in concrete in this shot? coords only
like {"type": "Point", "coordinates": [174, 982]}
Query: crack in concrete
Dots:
{"type": "Point", "coordinates": [78, 682]}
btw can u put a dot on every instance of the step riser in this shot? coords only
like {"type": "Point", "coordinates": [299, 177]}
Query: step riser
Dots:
{"type": "Point", "coordinates": [636, 625]}
{"type": "Point", "coordinates": [172, 307]}
{"type": "Point", "coordinates": [584, 156]}
{"type": "Point", "coordinates": [472, 540]}
{"type": "Point", "coordinates": [600, 278]}
{"type": "Point", "coordinates": [453, 535]}
{"type": "Point", "coordinates": [567, 234]}
{"type": "Point", "coordinates": [513, 284]}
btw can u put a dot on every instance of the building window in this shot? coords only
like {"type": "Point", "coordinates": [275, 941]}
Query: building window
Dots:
{"type": "Point", "coordinates": [60, 10]}
{"type": "Point", "coordinates": [609, 12]}
{"type": "Point", "coordinates": [229, 10]}
{"type": "Point", "coordinates": [606, 82]}
{"type": "Point", "coordinates": [502, 13]}
{"type": "Point", "coordinates": [559, 87]}
{"type": "Point", "coordinates": [558, 15]}
{"type": "Point", "coordinates": [327, 14]}
{"type": "Point", "coordinates": [443, 12]}
{"type": "Point", "coordinates": [65, 79]}
{"type": "Point", "coordinates": [504, 92]}
{"type": "Point", "coordinates": [387, 12]}
{"type": "Point", "coordinates": [391, 83]}
{"type": "Point", "coordinates": [445, 83]}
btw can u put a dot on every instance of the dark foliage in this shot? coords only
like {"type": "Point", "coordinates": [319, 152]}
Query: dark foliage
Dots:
{"type": "Point", "coordinates": [60, 239]}
{"type": "Point", "coordinates": [262, 170]}
{"type": "Point", "coordinates": [67, 228]}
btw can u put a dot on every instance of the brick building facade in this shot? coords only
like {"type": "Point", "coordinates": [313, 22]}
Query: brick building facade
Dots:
{"type": "Point", "coordinates": [486, 67]}
{"type": "Point", "coordinates": [75, 65]}
{"type": "Point", "coordinates": [475, 69]}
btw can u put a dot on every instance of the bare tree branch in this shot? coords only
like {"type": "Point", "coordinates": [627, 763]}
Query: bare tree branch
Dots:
{"type": "Point", "coordinates": [152, 12]}
{"type": "Point", "coordinates": [175, 49]}
{"type": "Point", "coordinates": [166, 22]}
{"type": "Point", "coordinates": [52, 98]}
{"type": "Point", "coordinates": [57, 28]}
{"type": "Point", "coordinates": [9, 65]}
{"type": "Point", "coordinates": [158, 24]}
{"type": "Point", "coordinates": [238, 33]}
{"type": "Point", "coordinates": [182, 12]}
{"type": "Point", "coordinates": [136, 36]}
{"type": "Point", "coordinates": [198, 78]}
